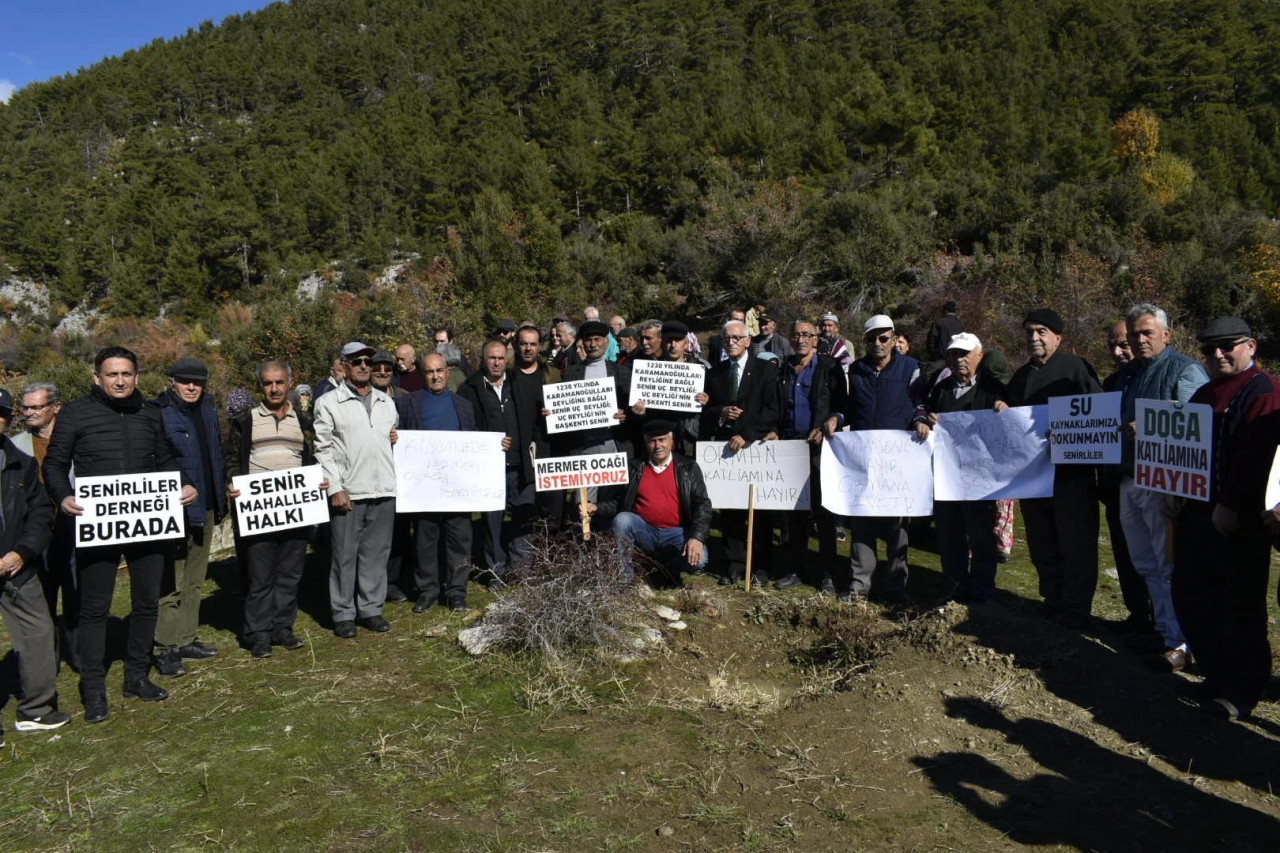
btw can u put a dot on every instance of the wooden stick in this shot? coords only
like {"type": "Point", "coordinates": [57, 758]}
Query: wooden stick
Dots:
{"type": "Point", "coordinates": [586, 519]}
{"type": "Point", "coordinates": [751, 528]}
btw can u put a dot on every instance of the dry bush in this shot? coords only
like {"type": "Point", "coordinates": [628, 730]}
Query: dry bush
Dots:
{"type": "Point", "coordinates": [569, 598]}
{"type": "Point", "coordinates": [847, 643]}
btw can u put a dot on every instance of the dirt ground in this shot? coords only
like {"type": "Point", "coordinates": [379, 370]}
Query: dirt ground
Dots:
{"type": "Point", "coordinates": [977, 728]}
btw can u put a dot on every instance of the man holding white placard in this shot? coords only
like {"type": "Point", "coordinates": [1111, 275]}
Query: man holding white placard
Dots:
{"type": "Point", "coordinates": [607, 439]}
{"type": "Point", "coordinates": [1223, 552]}
{"type": "Point", "coordinates": [880, 386]}
{"type": "Point", "coordinates": [674, 348]}
{"type": "Point", "coordinates": [966, 529]}
{"type": "Point", "coordinates": [272, 436]}
{"type": "Point", "coordinates": [1157, 372]}
{"type": "Point", "coordinates": [110, 432]}
{"type": "Point", "coordinates": [1062, 531]}
{"type": "Point", "coordinates": [437, 408]}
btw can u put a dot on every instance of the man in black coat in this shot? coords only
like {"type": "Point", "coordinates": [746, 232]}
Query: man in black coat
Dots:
{"type": "Point", "coordinates": [741, 407]}
{"type": "Point", "coordinates": [966, 529]}
{"type": "Point", "coordinates": [113, 431]}
{"type": "Point", "coordinates": [1062, 531]}
{"type": "Point", "coordinates": [437, 408]}
{"type": "Point", "coordinates": [664, 510]}
{"type": "Point", "coordinates": [488, 390]}
{"type": "Point", "coordinates": [27, 517]}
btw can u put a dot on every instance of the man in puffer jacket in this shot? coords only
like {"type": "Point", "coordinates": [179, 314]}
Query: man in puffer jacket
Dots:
{"type": "Point", "coordinates": [191, 425]}
{"type": "Point", "coordinates": [113, 431]}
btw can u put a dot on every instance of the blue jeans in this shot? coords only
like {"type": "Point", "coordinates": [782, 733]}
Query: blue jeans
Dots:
{"type": "Point", "coordinates": [663, 543]}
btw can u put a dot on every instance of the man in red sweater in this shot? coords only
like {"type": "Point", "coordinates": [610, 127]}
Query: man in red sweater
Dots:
{"type": "Point", "coordinates": [664, 511]}
{"type": "Point", "coordinates": [1222, 550]}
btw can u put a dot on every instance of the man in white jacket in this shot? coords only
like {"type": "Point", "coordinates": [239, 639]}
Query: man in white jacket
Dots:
{"type": "Point", "coordinates": [355, 428]}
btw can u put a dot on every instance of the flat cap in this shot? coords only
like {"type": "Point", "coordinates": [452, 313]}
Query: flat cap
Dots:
{"type": "Point", "coordinates": [593, 329]}
{"type": "Point", "coordinates": [674, 329]}
{"type": "Point", "coordinates": [190, 368]}
{"type": "Point", "coordinates": [1225, 329]}
{"type": "Point", "coordinates": [506, 326]}
{"type": "Point", "coordinates": [6, 400]}
{"type": "Point", "coordinates": [382, 356]}
{"type": "Point", "coordinates": [656, 428]}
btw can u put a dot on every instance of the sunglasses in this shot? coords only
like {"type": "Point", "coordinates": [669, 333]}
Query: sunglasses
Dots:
{"type": "Point", "coordinates": [883, 339]}
{"type": "Point", "coordinates": [383, 367]}
{"type": "Point", "coordinates": [1211, 348]}
{"type": "Point", "coordinates": [362, 361]}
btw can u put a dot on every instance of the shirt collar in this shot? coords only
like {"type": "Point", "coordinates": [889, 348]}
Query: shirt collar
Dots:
{"type": "Point", "coordinates": [665, 465]}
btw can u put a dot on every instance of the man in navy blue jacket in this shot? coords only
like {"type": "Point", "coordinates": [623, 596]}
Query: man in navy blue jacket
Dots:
{"type": "Point", "coordinates": [879, 398]}
{"type": "Point", "coordinates": [191, 424]}
{"type": "Point", "coordinates": [437, 408]}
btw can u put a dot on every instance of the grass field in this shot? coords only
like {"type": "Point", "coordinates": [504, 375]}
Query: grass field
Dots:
{"type": "Point", "coordinates": [972, 730]}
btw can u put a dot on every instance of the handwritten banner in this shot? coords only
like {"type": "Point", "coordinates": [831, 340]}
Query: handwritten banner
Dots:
{"type": "Point", "coordinates": [1085, 429]}
{"type": "Point", "coordinates": [444, 471]}
{"type": "Point", "coordinates": [990, 455]}
{"type": "Point", "coordinates": [280, 500]}
{"type": "Point", "coordinates": [576, 472]}
{"type": "Point", "coordinates": [779, 469]}
{"type": "Point", "coordinates": [1173, 448]}
{"type": "Point", "coordinates": [877, 473]}
{"type": "Point", "coordinates": [1272, 497]}
{"type": "Point", "coordinates": [587, 404]}
{"type": "Point", "coordinates": [129, 508]}
{"type": "Point", "coordinates": [670, 385]}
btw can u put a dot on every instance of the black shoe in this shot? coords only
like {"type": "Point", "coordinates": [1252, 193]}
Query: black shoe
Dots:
{"type": "Point", "coordinates": [169, 663]}
{"type": "Point", "coordinates": [828, 587]}
{"type": "Point", "coordinates": [423, 604]}
{"type": "Point", "coordinates": [374, 623]}
{"type": "Point", "coordinates": [196, 650]}
{"type": "Point", "coordinates": [51, 720]}
{"type": "Point", "coordinates": [1073, 620]}
{"type": "Point", "coordinates": [346, 629]}
{"type": "Point", "coordinates": [1132, 624]}
{"type": "Point", "coordinates": [457, 603]}
{"type": "Point", "coordinates": [288, 641]}
{"type": "Point", "coordinates": [261, 648]}
{"type": "Point", "coordinates": [145, 689]}
{"type": "Point", "coordinates": [788, 581]}
{"type": "Point", "coordinates": [728, 580]}
{"type": "Point", "coordinates": [759, 578]}
{"type": "Point", "coordinates": [395, 593]}
{"type": "Point", "coordinates": [95, 706]}
{"type": "Point", "coordinates": [1002, 557]}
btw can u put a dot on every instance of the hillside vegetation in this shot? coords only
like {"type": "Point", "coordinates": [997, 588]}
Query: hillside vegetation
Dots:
{"type": "Point", "coordinates": [663, 156]}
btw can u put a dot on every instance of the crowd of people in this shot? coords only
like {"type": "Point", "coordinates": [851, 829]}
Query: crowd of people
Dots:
{"type": "Point", "coordinates": [1194, 575]}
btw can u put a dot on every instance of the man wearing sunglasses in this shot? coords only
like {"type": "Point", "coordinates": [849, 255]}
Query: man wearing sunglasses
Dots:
{"type": "Point", "coordinates": [879, 398]}
{"type": "Point", "coordinates": [1223, 547]}
{"type": "Point", "coordinates": [355, 428]}
{"type": "Point", "coordinates": [1157, 372]}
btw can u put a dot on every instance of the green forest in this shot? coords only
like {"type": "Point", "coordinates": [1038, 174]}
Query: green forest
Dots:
{"type": "Point", "coordinates": [657, 158]}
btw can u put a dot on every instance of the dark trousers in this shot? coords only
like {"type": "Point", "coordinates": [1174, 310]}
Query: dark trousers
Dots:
{"type": "Point", "coordinates": [967, 546]}
{"type": "Point", "coordinates": [1220, 587]}
{"type": "Point", "coordinates": [863, 534]}
{"type": "Point", "coordinates": [96, 573]}
{"type": "Point", "coordinates": [402, 550]}
{"type": "Point", "coordinates": [1133, 588]}
{"type": "Point", "coordinates": [59, 576]}
{"type": "Point", "coordinates": [453, 531]}
{"type": "Point", "coordinates": [733, 527]}
{"type": "Point", "coordinates": [275, 562]}
{"type": "Point", "coordinates": [799, 558]}
{"type": "Point", "coordinates": [1062, 536]}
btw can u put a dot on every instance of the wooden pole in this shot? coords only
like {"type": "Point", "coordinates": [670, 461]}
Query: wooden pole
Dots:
{"type": "Point", "coordinates": [751, 528]}
{"type": "Point", "coordinates": [586, 519]}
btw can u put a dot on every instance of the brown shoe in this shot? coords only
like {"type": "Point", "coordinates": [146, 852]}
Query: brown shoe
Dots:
{"type": "Point", "coordinates": [1170, 660]}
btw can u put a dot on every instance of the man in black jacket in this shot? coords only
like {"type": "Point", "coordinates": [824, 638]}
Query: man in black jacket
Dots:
{"type": "Point", "coordinates": [664, 510]}
{"type": "Point", "coordinates": [488, 390]}
{"type": "Point", "coordinates": [741, 407]}
{"type": "Point", "coordinates": [113, 431]}
{"type": "Point", "coordinates": [27, 518]}
{"type": "Point", "coordinates": [966, 529]}
{"type": "Point", "coordinates": [813, 389]}
{"type": "Point", "coordinates": [1062, 531]}
{"type": "Point", "coordinates": [272, 436]}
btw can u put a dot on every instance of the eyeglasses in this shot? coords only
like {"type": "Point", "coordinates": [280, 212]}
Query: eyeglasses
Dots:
{"type": "Point", "coordinates": [804, 336]}
{"type": "Point", "coordinates": [737, 337]}
{"type": "Point", "coordinates": [362, 361]}
{"type": "Point", "coordinates": [383, 367]}
{"type": "Point", "coordinates": [1211, 348]}
{"type": "Point", "coordinates": [39, 408]}
{"type": "Point", "coordinates": [883, 339]}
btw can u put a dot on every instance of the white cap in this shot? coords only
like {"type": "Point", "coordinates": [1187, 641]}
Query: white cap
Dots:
{"type": "Point", "coordinates": [964, 341]}
{"type": "Point", "coordinates": [880, 321]}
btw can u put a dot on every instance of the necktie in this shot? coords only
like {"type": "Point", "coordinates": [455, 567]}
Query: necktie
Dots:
{"type": "Point", "coordinates": [733, 388]}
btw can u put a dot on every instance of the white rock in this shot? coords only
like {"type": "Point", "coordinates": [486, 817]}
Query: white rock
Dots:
{"type": "Point", "coordinates": [677, 625]}
{"type": "Point", "coordinates": [479, 639]}
{"type": "Point", "coordinates": [651, 637]}
{"type": "Point", "coordinates": [667, 613]}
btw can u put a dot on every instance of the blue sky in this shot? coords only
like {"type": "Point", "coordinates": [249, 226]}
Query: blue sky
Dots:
{"type": "Point", "coordinates": [40, 39]}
